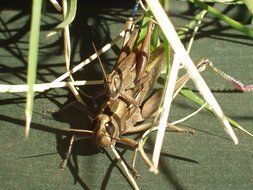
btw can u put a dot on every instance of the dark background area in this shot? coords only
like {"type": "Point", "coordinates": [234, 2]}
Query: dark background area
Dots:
{"type": "Point", "coordinates": [206, 160]}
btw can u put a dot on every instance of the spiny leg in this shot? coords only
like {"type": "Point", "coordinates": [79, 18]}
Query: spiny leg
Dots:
{"type": "Point", "coordinates": [179, 129]}
{"type": "Point", "coordinates": [146, 126]}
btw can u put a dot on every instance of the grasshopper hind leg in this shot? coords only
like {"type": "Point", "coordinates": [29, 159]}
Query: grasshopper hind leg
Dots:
{"type": "Point", "coordinates": [179, 129]}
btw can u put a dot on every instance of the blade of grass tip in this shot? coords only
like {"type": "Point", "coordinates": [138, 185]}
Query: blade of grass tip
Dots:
{"type": "Point", "coordinates": [71, 13]}
{"type": "Point", "coordinates": [164, 105]}
{"type": "Point", "coordinates": [67, 47]}
{"type": "Point", "coordinates": [171, 35]}
{"type": "Point", "coordinates": [236, 25]}
{"type": "Point", "coordinates": [192, 96]}
{"type": "Point", "coordinates": [56, 5]}
{"type": "Point", "coordinates": [32, 61]}
{"type": "Point", "coordinates": [162, 124]}
{"type": "Point", "coordinates": [249, 4]}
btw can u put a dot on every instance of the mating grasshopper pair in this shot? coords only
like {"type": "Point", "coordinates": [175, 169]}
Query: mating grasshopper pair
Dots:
{"type": "Point", "coordinates": [127, 88]}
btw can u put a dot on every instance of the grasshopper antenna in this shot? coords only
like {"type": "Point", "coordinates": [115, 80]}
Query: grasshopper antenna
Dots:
{"type": "Point", "coordinates": [101, 64]}
{"type": "Point", "coordinates": [80, 131]}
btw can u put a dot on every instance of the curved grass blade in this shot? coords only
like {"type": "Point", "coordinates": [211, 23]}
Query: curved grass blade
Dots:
{"type": "Point", "coordinates": [249, 4]}
{"type": "Point", "coordinates": [236, 25]}
{"type": "Point", "coordinates": [32, 60]}
{"type": "Point", "coordinates": [195, 98]}
{"type": "Point", "coordinates": [71, 13]}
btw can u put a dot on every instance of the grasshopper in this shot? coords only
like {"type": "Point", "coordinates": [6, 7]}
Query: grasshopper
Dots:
{"type": "Point", "coordinates": [118, 117]}
{"type": "Point", "coordinates": [128, 71]}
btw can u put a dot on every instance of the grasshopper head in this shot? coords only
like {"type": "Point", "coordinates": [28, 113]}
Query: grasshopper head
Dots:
{"type": "Point", "coordinates": [106, 131]}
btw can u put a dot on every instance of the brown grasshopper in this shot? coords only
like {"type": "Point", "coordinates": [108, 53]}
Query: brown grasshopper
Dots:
{"type": "Point", "coordinates": [118, 117]}
{"type": "Point", "coordinates": [129, 68]}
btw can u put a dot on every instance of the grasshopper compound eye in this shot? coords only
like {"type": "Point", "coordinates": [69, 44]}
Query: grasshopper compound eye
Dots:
{"type": "Point", "coordinates": [101, 136]}
{"type": "Point", "coordinates": [110, 129]}
{"type": "Point", "coordinates": [115, 85]}
{"type": "Point", "coordinates": [116, 82]}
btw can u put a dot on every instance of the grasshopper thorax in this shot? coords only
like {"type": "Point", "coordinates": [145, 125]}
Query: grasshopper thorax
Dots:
{"type": "Point", "coordinates": [106, 131]}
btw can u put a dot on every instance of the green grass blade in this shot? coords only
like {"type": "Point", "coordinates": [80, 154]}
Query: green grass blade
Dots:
{"type": "Point", "coordinates": [32, 60]}
{"type": "Point", "coordinates": [192, 96]}
{"type": "Point", "coordinates": [143, 27]}
{"type": "Point", "coordinates": [236, 25]}
{"type": "Point", "coordinates": [191, 25]}
{"type": "Point", "coordinates": [249, 4]}
{"type": "Point", "coordinates": [71, 13]}
{"type": "Point", "coordinates": [155, 42]}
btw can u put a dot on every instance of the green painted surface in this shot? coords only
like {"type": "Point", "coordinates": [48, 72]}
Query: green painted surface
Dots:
{"type": "Point", "coordinates": [207, 160]}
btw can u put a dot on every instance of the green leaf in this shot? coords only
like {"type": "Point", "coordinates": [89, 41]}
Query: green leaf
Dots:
{"type": "Point", "coordinates": [192, 96]}
{"type": "Point", "coordinates": [71, 13]}
{"type": "Point", "coordinates": [143, 31]}
{"type": "Point", "coordinates": [236, 25]}
{"type": "Point", "coordinates": [32, 60]}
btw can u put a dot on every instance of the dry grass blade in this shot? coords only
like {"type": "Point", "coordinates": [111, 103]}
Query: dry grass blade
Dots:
{"type": "Point", "coordinates": [165, 113]}
{"type": "Point", "coordinates": [95, 55]}
{"type": "Point", "coordinates": [91, 58]}
{"type": "Point", "coordinates": [56, 5]}
{"type": "Point", "coordinates": [128, 175]}
{"type": "Point", "coordinates": [179, 49]}
{"type": "Point", "coordinates": [189, 116]}
{"type": "Point", "coordinates": [67, 53]}
{"type": "Point", "coordinates": [45, 86]}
